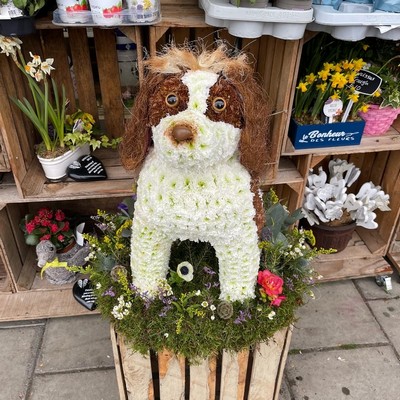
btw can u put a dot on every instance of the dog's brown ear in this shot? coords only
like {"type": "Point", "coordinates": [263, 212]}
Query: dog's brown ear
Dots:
{"type": "Point", "coordinates": [137, 136]}
{"type": "Point", "coordinates": [255, 136]}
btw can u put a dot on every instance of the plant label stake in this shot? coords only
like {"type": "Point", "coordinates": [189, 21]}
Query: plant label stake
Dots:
{"type": "Point", "coordinates": [331, 108]}
{"type": "Point", "coordinates": [365, 82]}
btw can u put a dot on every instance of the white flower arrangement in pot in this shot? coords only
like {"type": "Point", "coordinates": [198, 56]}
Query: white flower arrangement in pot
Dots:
{"type": "Point", "coordinates": [327, 202]}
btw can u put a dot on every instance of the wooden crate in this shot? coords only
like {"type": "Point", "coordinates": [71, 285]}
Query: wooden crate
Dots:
{"type": "Point", "coordinates": [4, 163]}
{"type": "Point", "coordinates": [231, 376]}
{"type": "Point", "coordinates": [86, 64]}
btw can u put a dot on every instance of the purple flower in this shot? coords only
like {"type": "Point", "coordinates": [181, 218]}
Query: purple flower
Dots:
{"type": "Point", "coordinates": [109, 292]}
{"type": "Point", "coordinates": [207, 285]}
{"type": "Point", "coordinates": [209, 271]}
{"type": "Point", "coordinates": [242, 317]}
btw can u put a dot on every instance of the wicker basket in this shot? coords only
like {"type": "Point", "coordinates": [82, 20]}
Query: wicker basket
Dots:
{"type": "Point", "coordinates": [378, 120]}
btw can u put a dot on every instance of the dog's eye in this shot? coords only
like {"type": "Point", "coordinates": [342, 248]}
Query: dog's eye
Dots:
{"type": "Point", "coordinates": [171, 100]}
{"type": "Point", "coordinates": [219, 104]}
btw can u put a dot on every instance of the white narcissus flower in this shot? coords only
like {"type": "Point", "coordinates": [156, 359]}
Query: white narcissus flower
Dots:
{"type": "Point", "coordinates": [46, 66]}
{"type": "Point", "coordinates": [9, 45]}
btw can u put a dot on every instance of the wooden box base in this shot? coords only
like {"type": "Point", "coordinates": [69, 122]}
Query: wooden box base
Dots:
{"type": "Point", "coordinates": [250, 375]}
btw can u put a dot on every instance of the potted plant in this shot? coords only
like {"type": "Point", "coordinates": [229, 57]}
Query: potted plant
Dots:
{"type": "Point", "coordinates": [63, 141]}
{"type": "Point", "coordinates": [187, 317]}
{"type": "Point", "coordinates": [384, 104]}
{"type": "Point", "coordinates": [54, 238]}
{"type": "Point", "coordinates": [332, 212]}
{"type": "Point", "coordinates": [322, 103]}
{"type": "Point", "coordinates": [20, 13]}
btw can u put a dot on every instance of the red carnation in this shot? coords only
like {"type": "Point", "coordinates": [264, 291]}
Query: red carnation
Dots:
{"type": "Point", "coordinates": [54, 228]}
{"type": "Point", "coordinates": [30, 226]}
{"type": "Point", "coordinates": [45, 237]}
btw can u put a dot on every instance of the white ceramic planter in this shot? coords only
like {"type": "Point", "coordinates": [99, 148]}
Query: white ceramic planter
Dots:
{"type": "Point", "coordinates": [55, 168]}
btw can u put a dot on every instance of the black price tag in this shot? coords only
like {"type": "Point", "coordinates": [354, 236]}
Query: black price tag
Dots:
{"type": "Point", "coordinates": [366, 82]}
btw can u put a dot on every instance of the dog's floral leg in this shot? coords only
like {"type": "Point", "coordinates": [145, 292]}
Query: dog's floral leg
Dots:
{"type": "Point", "coordinates": [238, 265]}
{"type": "Point", "coordinates": [150, 251]}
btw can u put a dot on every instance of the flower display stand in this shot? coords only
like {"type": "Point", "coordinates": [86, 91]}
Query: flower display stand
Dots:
{"type": "Point", "coordinates": [252, 375]}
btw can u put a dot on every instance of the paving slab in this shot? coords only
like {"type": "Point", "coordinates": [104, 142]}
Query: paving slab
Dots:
{"type": "Point", "coordinates": [345, 374]}
{"type": "Point", "coordinates": [337, 316]}
{"type": "Point", "coordinates": [371, 291]}
{"type": "Point", "coordinates": [19, 347]}
{"type": "Point", "coordinates": [284, 393]}
{"type": "Point", "coordinates": [75, 343]}
{"type": "Point", "coordinates": [86, 385]}
{"type": "Point", "coordinates": [387, 312]}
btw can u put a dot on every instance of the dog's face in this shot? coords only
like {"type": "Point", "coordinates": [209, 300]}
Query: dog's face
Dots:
{"type": "Point", "coordinates": [196, 119]}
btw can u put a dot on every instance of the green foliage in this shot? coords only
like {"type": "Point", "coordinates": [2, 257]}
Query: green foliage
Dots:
{"type": "Point", "coordinates": [29, 7]}
{"type": "Point", "coordinates": [187, 316]}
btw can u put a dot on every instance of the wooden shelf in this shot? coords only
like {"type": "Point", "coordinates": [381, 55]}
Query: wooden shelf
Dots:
{"type": "Point", "coordinates": [387, 142]}
{"type": "Point", "coordinates": [356, 261]}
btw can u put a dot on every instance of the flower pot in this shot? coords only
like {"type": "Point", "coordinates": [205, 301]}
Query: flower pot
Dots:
{"type": "Point", "coordinates": [17, 26]}
{"type": "Point", "coordinates": [249, 374]}
{"type": "Point", "coordinates": [378, 120]}
{"type": "Point", "coordinates": [106, 12]}
{"type": "Point", "coordinates": [55, 168]}
{"type": "Point", "coordinates": [325, 135]}
{"type": "Point", "coordinates": [333, 237]}
{"type": "Point", "coordinates": [143, 11]}
{"type": "Point", "coordinates": [73, 11]}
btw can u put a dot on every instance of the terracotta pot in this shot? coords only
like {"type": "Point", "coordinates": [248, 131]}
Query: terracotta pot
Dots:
{"type": "Point", "coordinates": [333, 237]}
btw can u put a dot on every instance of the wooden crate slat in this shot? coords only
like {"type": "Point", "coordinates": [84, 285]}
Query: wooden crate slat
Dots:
{"type": "Point", "coordinates": [171, 376]}
{"type": "Point", "coordinates": [233, 374]}
{"type": "Point", "coordinates": [136, 370]}
{"type": "Point", "coordinates": [39, 304]}
{"type": "Point", "coordinates": [267, 361]}
{"type": "Point", "coordinates": [82, 67]}
{"type": "Point", "coordinates": [28, 271]}
{"type": "Point", "coordinates": [202, 380]}
{"type": "Point", "coordinates": [4, 163]}
{"type": "Point", "coordinates": [106, 53]}
{"type": "Point", "coordinates": [185, 15]}
{"type": "Point", "coordinates": [54, 47]}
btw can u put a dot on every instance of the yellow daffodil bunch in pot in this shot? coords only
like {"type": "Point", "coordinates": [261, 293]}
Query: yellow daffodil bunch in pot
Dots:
{"type": "Point", "coordinates": [63, 138]}
{"type": "Point", "coordinates": [326, 105]}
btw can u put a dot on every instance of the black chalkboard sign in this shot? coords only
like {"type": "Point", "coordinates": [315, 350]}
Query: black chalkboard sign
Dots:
{"type": "Point", "coordinates": [366, 82]}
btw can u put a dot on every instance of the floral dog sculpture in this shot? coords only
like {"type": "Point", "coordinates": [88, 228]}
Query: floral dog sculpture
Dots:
{"type": "Point", "coordinates": [199, 126]}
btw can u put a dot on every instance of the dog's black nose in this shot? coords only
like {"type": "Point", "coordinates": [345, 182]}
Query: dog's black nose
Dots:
{"type": "Point", "coordinates": [182, 133]}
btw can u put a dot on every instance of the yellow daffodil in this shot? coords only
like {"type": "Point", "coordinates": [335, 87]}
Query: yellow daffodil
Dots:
{"type": "Point", "coordinates": [377, 93]}
{"type": "Point", "coordinates": [324, 74]}
{"type": "Point", "coordinates": [337, 68]}
{"type": "Point", "coordinates": [322, 87]}
{"type": "Point", "coordinates": [310, 78]}
{"type": "Point", "coordinates": [329, 66]}
{"type": "Point", "coordinates": [354, 97]}
{"type": "Point", "coordinates": [338, 80]}
{"type": "Point", "coordinates": [346, 64]}
{"type": "Point", "coordinates": [365, 47]}
{"type": "Point", "coordinates": [335, 96]}
{"type": "Point", "coordinates": [351, 76]}
{"type": "Point", "coordinates": [358, 64]}
{"type": "Point", "coordinates": [302, 86]}
{"type": "Point", "coordinates": [364, 108]}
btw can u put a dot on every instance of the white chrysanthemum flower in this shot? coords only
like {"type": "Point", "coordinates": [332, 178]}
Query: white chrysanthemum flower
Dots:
{"type": "Point", "coordinates": [185, 271]}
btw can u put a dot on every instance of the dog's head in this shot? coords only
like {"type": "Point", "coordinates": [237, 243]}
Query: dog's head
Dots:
{"type": "Point", "coordinates": [198, 109]}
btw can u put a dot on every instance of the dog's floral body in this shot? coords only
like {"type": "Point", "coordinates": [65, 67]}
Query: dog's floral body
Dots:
{"type": "Point", "coordinates": [193, 184]}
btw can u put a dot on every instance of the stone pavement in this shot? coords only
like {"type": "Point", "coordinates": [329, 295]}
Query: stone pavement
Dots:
{"type": "Point", "coordinates": [345, 345]}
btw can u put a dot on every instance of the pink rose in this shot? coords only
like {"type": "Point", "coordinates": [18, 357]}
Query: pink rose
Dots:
{"type": "Point", "coordinates": [271, 283]}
